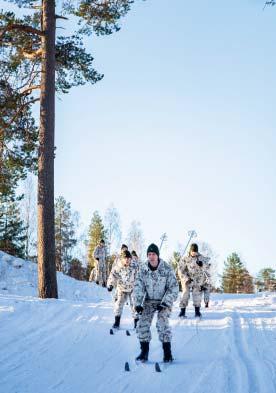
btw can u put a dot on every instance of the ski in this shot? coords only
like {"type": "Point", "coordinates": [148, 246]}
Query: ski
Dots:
{"type": "Point", "coordinates": [112, 332]}
{"type": "Point", "coordinates": [157, 367]}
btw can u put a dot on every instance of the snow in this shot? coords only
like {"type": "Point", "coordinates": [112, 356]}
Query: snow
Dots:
{"type": "Point", "coordinates": [64, 345]}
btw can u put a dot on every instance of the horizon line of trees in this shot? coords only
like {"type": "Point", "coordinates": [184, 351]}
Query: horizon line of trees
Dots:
{"type": "Point", "coordinates": [74, 250]}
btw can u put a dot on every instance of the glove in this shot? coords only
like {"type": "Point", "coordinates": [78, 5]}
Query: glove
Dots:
{"type": "Point", "coordinates": [162, 306]}
{"type": "Point", "coordinates": [110, 288]}
{"type": "Point", "coordinates": [97, 259]}
{"type": "Point", "coordinates": [139, 309]}
{"type": "Point", "coordinates": [200, 263]}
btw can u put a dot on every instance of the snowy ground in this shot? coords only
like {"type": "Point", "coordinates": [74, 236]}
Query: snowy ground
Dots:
{"type": "Point", "coordinates": [64, 345]}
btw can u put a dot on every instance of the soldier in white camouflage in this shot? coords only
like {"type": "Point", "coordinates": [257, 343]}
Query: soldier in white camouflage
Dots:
{"type": "Point", "coordinates": [100, 256]}
{"type": "Point", "coordinates": [135, 258]}
{"type": "Point", "coordinates": [192, 271]}
{"type": "Point", "coordinates": [155, 290]}
{"type": "Point", "coordinates": [116, 262]}
{"type": "Point", "coordinates": [207, 286]}
{"type": "Point", "coordinates": [122, 278]}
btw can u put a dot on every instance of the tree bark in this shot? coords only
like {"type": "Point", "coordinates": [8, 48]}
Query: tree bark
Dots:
{"type": "Point", "coordinates": [47, 282]}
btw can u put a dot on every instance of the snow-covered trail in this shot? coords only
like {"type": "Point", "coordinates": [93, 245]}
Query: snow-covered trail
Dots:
{"type": "Point", "coordinates": [65, 346]}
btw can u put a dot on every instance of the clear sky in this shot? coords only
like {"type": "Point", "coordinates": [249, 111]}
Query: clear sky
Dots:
{"type": "Point", "coordinates": [180, 134]}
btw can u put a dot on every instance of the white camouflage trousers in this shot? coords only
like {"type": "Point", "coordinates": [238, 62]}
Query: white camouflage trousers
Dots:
{"type": "Point", "coordinates": [196, 294]}
{"type": "Point", "coordinates": [162, 324]}
{"type": "Point", "coordinates": [121, 299]}
{"type": "Point", "coordinates": [100, 267]}
{"type": "Point", "coordinates": [206, 293]}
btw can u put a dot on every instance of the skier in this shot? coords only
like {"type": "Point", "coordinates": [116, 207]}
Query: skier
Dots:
{"type": "Point", "coordinates": [206, 288]}
{"type": "Point", "coordinates": [135, 258]}
{"type": "Point", "coordinates": [116, 262]}
{"type": "Point", "coordinates": [100, 262]}
{"type": "Point", "coordinates": [122, 276]}
{"type": "Point", "coordinates": [191, 270]}
{"type": "Point", "coordinates": [155, 290]}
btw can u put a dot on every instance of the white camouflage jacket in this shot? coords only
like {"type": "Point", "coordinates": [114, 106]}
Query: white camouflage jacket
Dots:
{"type": "Point", "coordinates": [158, 285]}
{"type": "Point", "coordinates": [100, 253]}
{"type": "Point", "coordinates": [189, 270]}
{"type": "Point", "coordinates": [123, 276]}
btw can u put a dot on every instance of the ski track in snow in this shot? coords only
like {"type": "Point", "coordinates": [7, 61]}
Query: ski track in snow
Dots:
{"type": "Point", "coordinates": [64, 346]}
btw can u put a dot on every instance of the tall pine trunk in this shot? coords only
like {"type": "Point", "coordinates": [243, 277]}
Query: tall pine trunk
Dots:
{"type": "Point", "coordinates": [47, 281]}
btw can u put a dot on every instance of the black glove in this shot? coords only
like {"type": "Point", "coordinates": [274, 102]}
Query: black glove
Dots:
{"type": "Point", "coordinates": [139, 309]}
{"type": "Point", "coordinates": [97, 259]}
{"type": "Point", "coordinates": [110, 288]}
{"type": "Point", "coordinates": [162, 306]}
{"type": "Point", "coordinates": [200, 263]}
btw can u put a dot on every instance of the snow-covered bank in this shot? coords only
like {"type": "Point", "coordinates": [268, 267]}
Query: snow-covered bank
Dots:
{"type": "Point", "coordinates": [19, 277]}
{"type": "Point", "coordinates": [64, 345]}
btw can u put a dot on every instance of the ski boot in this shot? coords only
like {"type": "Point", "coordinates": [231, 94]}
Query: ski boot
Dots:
{"type": "Point", "coordinates": [167, 352]}
{"type": "Point", "coordinates": [197, 312]}
{"type": "Point", "coordinates": [182, 313]}
{"type": "Point", "coordinates": [143, 357]}
{"type": "Point", "coordinates": [116, 324]}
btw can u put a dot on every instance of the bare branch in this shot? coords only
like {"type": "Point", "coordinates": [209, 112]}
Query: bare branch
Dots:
{"type": "Point", "coordinates": [29, 89]}
{"type": "Point", "coordinates": [61, 17]}
{"type": "Point", "coordinates": [32, 55]}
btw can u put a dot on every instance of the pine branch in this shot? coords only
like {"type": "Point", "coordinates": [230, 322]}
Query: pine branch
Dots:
{"type": "Point", "coordinates": [20, 110]}
{"type": "Point", "coordinates": [25, 28]}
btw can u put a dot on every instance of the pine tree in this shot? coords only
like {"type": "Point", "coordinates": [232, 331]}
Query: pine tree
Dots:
{"type": "Point", "coordinates": [96, 233]}
{"type": "Point", "coordinates": [266, 279]}
{"type": "Point", "coordinates": [248, 282]}
{"type": "Point", "coordinates": [18, 133]}
{"type": "Point", "coordinates": [65, 234]}
{"type": "Point", "coordinates": [12, 230]}
{"type": "Point", "coordinates": [45, 63]}
{"type": "Point", "coordinates": [76, 269]}
{"type": "Point", "coordinates": [232, 278]}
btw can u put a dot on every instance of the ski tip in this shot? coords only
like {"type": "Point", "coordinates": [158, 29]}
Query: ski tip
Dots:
{"type": "Point", "coordinates": [111, 331]}
{"type": "Point", "coordinates": [127, 333]}
{"type": "Point", "coordinates": [157, 368]}
{"type": "Point", "coordinates": [127, 366]}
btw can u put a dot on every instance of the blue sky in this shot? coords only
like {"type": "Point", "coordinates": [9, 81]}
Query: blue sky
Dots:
{"type": "Point", "coordinates": [180, 134]}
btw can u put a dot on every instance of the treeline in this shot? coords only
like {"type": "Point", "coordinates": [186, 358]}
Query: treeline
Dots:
{"type": "Point", "coordinates": [237, 279]}
{"type": "Point", "coordinates": [73, 247]}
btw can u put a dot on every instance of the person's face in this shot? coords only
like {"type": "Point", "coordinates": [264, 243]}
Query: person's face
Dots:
{"type": "Point", "coordinates": [124, 249]}
{"type": "Point", "coordinates": [101, 244]}
{"type": "Point", "coordinates": [193, 253]}
{"type": "Point", "coordinates": [153, 258]}
{"type": "Point", "coordinates": [127, 261]}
